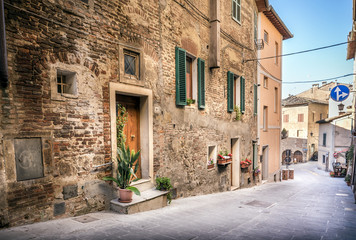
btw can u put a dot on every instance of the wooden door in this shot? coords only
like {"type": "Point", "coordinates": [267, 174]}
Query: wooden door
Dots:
{"type": "Point", "coordinates": [132, 127]}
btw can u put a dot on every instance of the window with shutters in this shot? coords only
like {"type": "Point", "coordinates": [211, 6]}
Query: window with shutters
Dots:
{"type": "Point", "coordinates": [301, 117]}
{"type": "Point", "coordinates": [324, 139]}
{"type": "Point", "coordinates": [236, 10]}
{"type": "Point", "coordinates": [255, 154]}
{"type": "Point", "coordinates": [235, 92]}
{"type": "Point", "coordinates": [190, 79]}
{"type": "Point", "coordinates": [286, 118]}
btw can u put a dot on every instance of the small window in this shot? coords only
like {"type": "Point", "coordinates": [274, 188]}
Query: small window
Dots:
{"type": "Point", "coordinates": [313, 116]}
{"type": "Point", "coordinates": [66, 82]}
{"type": "Point", "coordinates": [132, 63]}
{"type": "Point", "coordinates": [299, 133]}
{"type": "Point", "coordinates": [324, 159]}
{"type": "Point", "coordinates": [286, 118]}
{"type": "Point", "coordinates": [236, 10]}
{"type": "Point", "coordinates": [211, 156]}
{"type": "Point", "coordinates": [275, 100]}
{"type": "Point", "coordinates": [265, 37]}
{"type": "Point", "coordinates": [189, 77]}
{"type": "Point", "coordinates": [265, 118]}
{"type": "Point", "coordinates": [321, 116]}
{"type": "Point", "coordinates": [324, 139]}
{"type": "Point", "coordinates": [265, 82]}
{"type": "Point", "coordinates": [277, 53]}
{"type": "Point", "coordinates": [301, 117]}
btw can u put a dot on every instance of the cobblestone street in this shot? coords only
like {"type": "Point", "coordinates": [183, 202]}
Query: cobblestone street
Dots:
{"type": "Point", "coordinates": [312, 206]}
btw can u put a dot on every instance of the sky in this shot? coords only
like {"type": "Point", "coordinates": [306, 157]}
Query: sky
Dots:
{"type": "Point", "coordinates": [314, 24]}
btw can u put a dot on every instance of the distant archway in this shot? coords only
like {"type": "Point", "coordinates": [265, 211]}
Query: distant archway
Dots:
{"type": "Point", "coordinates": [298, 156]}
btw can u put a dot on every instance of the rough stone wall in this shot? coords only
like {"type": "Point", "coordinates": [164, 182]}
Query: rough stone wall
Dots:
{"type": "Point", "coordinates": [85, 37]}
{"type": "Point", "coordinates": [81, 37]}
{"type": "Point", "coordinates": [182, 135]}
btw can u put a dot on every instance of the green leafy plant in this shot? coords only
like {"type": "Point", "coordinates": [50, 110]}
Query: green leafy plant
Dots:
{"type": "Point", "coordinates": [238, 113]}
{"type": "Point", "coordinates": [350, 154]}
{"type": "Point", "coordinates": [164, 184]}
{"type": "Point", "coordinates": [121, 121]}
{"type": "Point", "coordinates": [190, 101]}
{"type": "Point", "coordinates": [126, 168]}
{"type": "Point", "coordinates": [348, 178]}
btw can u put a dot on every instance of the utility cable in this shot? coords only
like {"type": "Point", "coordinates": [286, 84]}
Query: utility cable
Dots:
{"type": "Point", "coordinates": [321, 80]}
{"type": "Point", "coordinates": [305, 51]}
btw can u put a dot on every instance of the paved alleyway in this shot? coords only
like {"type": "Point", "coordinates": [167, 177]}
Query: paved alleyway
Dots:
{"type": "Point", "coordinates": [312, 206]}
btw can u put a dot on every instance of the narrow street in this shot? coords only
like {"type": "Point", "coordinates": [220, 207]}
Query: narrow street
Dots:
{"type": "Point", "coordinates": [312, 206]}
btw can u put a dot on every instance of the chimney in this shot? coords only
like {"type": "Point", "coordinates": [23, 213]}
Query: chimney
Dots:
{"type": "Point", "coordinates": [3, 53]}
{"type": "Point", "coordinates": [214, 48]}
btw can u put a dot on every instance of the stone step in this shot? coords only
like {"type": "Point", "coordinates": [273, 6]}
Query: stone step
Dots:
{"type": "Point", "coordinates": [143, 184]}
{"type": "Point", "coordinates": [150, 199]}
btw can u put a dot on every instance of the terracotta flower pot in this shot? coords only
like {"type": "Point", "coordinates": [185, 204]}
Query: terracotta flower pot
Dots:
{"type": "Point", "coordinates": [125, 196]}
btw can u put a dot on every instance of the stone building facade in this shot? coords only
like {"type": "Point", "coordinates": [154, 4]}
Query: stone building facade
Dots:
{"type": "Point", "coordinates": [71, 62]}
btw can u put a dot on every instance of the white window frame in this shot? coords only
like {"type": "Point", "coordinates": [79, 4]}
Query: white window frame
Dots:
{"type": "Point", "coordinates": [237, 13]}
{"type": "Point", "coordinates": [237, 88]}
{"type": "Point", "coordinates": [265, 36]}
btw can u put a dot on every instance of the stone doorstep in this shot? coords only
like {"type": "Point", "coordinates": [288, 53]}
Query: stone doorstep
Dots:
{"type": "Point", "coordinates": [143, 184]}
{"type": "Point", "coordinates": [149, 200]}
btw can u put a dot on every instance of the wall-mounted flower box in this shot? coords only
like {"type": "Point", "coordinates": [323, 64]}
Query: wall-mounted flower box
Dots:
{"type": "Point", "coordinates": [210, 166]}
{"type": "Point", "coordinates": [224, 160]}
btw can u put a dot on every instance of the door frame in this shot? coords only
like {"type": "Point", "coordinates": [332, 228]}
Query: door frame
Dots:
{"type": "Point", "coordinates": [265, 153]}
{"type": "Point", "coordinates": [235, 166]}
{"type": "Point", "coordinates": [146, 123]}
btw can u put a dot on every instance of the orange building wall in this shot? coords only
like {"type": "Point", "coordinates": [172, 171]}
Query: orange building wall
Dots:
{"type": "Point", "coordinates": [270, 69]}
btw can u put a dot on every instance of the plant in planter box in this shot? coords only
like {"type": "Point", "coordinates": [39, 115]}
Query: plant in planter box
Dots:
{"type": "Point", "coordinates": [126, 172]}
{"type": "Point", "coordinates": [348, 179]}
{"type": "Point", "coordinates": [164, 184]}
{"type": "Point", "coordinates": [190, 101]}
{"type": "Point", "coordinates": [210, 163]}
{"type": "Point", "coordinates": [256, 171]}
{"type": "Point", "coordinates": [224, 157]}
{"type": "Point", "coordinates": [245, 163]}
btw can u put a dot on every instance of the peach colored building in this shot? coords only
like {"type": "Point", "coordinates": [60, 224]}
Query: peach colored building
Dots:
{"type": "Point", "coordinates": [272, 31]}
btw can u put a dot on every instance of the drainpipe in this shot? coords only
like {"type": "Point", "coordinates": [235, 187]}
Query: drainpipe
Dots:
{"type": "Point", "coordinates": [4, 77]}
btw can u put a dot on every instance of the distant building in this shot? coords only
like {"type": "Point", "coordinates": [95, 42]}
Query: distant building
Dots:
{"type": "Point", "coordinates": [334, 140]}
{"type": "Point", "coordinates": [299, 116]}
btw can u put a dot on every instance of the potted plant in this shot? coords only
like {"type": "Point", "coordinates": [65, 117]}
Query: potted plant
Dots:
{"type": "Point", "coordinates": [126, 173]}
{"type": "Point", "coordinates": [348, 179]}
{"type": "Point", "coordinates": [211, 163]}
{"type": "Point", "coordinates": [224, 157]}
{"type": "Point", "coordinates": [190, 101]}
{"type": "Point", "coordinates": [164, 184]}
{"type": "Point", "coordinates": [245, 163]}
{"type": "Point", "coordinates": [256, 171]}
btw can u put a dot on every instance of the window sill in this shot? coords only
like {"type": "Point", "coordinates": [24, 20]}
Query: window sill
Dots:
{"type": "Point", "coordinates": [239, 22]}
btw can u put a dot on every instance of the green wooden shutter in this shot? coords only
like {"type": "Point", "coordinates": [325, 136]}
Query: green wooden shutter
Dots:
{"type": "Point", "coordinates": [255, 155]}
{"type": "Point", "coordinates": [201, 83]}
{"type": "Point", "coordinates": [242, 94]}
{"type": "Point", "coordinates": [181, 90]}
{"type": "Point", "coordinates": [230, 91]}
{"type": "Point", "coordinates": [255, 99]}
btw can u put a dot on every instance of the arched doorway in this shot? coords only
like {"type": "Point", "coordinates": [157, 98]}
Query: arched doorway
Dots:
{"type": "Point", "coordinates": [298, 156]}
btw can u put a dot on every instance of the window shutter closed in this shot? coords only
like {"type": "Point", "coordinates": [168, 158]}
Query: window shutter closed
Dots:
{"type": "Point", "coordinates": [181, 92]}
{"type": "Point", "coordinates": [255, 99]}
{"type": "Point", "coordinates": [201, 83]}
{"type": "Point", "coordinates": [230, 91]}
{"type": "Point", "coordinates": [242, 94]}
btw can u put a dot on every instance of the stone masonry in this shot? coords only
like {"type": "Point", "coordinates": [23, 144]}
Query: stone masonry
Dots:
{"type": "Point", "coordinates": [85, 38]}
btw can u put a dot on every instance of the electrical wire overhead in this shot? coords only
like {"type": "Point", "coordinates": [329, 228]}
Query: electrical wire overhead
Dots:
{"type": "Point", "coordinates": [305, 51]}
{"type": "Point", "coordinates": [321, 80]}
